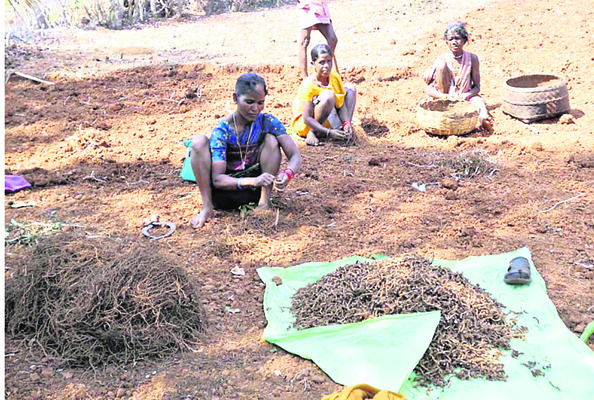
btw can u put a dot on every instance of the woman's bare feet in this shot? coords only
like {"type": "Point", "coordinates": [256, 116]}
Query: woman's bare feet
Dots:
{"type": "Point", "coordinates": [487, 124]}
{"type": "Point", "coordinates": [199, 220]}
{"type": "Point", "coordinates": [311, 139]}
{"type": "Point", "coordinates": [262, 210]}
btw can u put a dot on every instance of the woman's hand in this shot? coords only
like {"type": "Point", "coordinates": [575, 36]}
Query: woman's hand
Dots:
{"type": "Point", "coordinates": [454, 97]}
{"type": "Point", "coordinates": [281, 182]}
{"type": "Point", "coordinates": [265, 179]}
{"type": "Point", "coordinates": [428, 75]}
{"type": "Point", "coordinates": [348, 129]}
{"type": "Point", "coordinates": [336, 134]}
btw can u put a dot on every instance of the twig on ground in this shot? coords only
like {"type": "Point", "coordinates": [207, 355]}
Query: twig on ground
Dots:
{"type": "Point", "coordinates": [561, 202]}
{"type": "Point", "coordinates": [421, 166]}
{"type": "Point", "coordinates": [140, 181]}
{"type": "Point", "coordinates": [93, 177]}
{"type": "Point", "coordinates": [30, 77]}
{"type": "Point", "coordinates": [581, 264]}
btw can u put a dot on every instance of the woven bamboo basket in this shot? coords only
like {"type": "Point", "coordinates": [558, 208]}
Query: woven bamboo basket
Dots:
{"type": "Point", "coordinates": [444, 117]}
{"type": "Point", "coordinates": [533, 97]}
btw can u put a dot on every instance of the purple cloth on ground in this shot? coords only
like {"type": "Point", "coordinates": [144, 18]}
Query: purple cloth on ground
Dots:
{"type": "Point", "coordinates": [13, 183]}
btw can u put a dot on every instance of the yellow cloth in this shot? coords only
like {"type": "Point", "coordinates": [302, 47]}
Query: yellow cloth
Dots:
{"type": "Point", "coordinates": [307, 92]}
{"type": "Point", "coordinates": [362, 392]}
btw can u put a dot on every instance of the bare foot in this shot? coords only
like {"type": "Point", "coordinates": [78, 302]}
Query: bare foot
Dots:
{"type": "Point", "coordinates": [487, 124]}
{"type": "Point", "coordinates": [262, 210]}
{"type": "Point", "coordinates": [199, 220]}
{"type": "Point", "coordinates": [312, 139]}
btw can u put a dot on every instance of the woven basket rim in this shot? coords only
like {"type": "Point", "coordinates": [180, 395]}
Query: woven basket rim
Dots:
{"type": "Point", "coordinates": [472, 109]}
{"type": "Point", "coordinates": [509, 87]}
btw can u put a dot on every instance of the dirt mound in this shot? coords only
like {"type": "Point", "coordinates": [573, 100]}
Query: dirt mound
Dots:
{"type": "Point", "coordinates": [95, 301]}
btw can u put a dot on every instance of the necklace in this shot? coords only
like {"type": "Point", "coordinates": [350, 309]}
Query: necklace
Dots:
{"type": "Point", "coordinates": [243, 159]}
{"type": "Point", "coordinates": [459, 57]}
{"type": "Point", "coordinates": [320, 84]}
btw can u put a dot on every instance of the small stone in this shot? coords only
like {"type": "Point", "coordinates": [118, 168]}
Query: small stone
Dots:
{"type": "Point", "coordinates": [110, 394]}
{"type": "Point", "coordinates": [34, 376]}
{"type": "Point", "coordinates": [318, 378]}
{"type": "Point", "coordinates": [47, 372]}
{"type": "Point", "coordinates": [537, 146]}
{"type": "Point", "coordinates": [190, 93]}
{"type": "Point", "coordinates": [468, 231]}
{"type": "Point", "coordinates": [277, 280]}
{"type": "Point", "coordinates": [566, 119]}
{"type": "Point", "coordinates": [120, 392]}
{"type": "Point", "coordinates": [451, 196]}
{"type": "Point", "coordinates": [67, 375]}
{"type": "Point", "coordinates": [580, 327]}
{"type": "Point", "coordinates": [35, 395]}
{"type": "Point", "coordinates": [449, 183]}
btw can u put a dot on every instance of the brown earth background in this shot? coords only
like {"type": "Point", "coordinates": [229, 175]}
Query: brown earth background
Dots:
{"type": "Point", "coordinates": [103, 149]}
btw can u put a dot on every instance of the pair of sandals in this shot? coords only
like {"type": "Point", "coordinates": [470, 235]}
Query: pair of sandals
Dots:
{"type": "Point", "coordinates": [518, 272]}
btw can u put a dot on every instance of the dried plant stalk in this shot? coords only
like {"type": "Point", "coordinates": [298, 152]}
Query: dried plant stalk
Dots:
{"type": "Point", "coordinates": [91, 301]}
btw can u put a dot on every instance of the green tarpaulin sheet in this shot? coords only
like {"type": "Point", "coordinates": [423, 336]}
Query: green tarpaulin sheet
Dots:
{"type": "Point", "coordinates": [383, 352]}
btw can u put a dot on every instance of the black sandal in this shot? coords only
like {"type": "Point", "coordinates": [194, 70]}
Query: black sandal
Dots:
{"type": "Point", "coordinates": [518, 272]}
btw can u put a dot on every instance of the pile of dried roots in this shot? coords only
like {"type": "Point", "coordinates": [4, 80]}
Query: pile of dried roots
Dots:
{"type": "Point", "coordinates": [472, 325]}
{"type": "Point", "coordinates": [91, 301]}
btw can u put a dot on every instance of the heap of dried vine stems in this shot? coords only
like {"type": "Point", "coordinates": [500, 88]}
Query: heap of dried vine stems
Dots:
{"type": "Point", "coordinates": [93, 301]}
{"type": "Point", "coordinates": [472, 325]}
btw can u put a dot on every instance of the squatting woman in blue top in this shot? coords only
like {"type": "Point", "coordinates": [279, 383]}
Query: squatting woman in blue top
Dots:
{"type": "Point", "coordinates": [240, 161]}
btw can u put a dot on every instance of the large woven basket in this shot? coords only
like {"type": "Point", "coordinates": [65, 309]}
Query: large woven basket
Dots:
{"type": "Point", "coordinates": [444, 117]}
{"type": "Point", "coordinates": [533, 97]}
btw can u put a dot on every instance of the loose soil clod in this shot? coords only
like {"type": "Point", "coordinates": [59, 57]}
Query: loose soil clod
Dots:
{"type": "Point", "coordinates": [472, 325]}
{"type": "Point", "coordinates": [95, 301]}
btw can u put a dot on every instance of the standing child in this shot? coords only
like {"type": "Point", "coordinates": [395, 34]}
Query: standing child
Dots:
{"type": "Point", "coordinates": [240, 162]}
{"type": "Point", "coordinates": [313, 14]}
{"type": "Point", "coordinates": [455, 75]}
{"type": "Point", "coordinates": [324, 106]}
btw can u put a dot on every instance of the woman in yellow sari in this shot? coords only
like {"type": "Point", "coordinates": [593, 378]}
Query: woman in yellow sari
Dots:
{"type": "Point", "coordinates": [324, 105]}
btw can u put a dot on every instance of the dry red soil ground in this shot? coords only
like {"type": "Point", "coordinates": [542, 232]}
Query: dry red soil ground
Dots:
{"type": "Point", "coordinates": [103, 149]}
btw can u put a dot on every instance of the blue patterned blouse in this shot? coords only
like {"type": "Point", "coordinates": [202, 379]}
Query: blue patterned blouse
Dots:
{"type": "Point", "coordinates": [223, 136]}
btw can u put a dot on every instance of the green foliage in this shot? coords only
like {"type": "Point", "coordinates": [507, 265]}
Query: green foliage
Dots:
{"type": "Point", "coordinates": [116, 14]}
{"type": "Point", "coordinates": [211, 7]}
{"type": "Point", "coordinates": [24, 233]}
